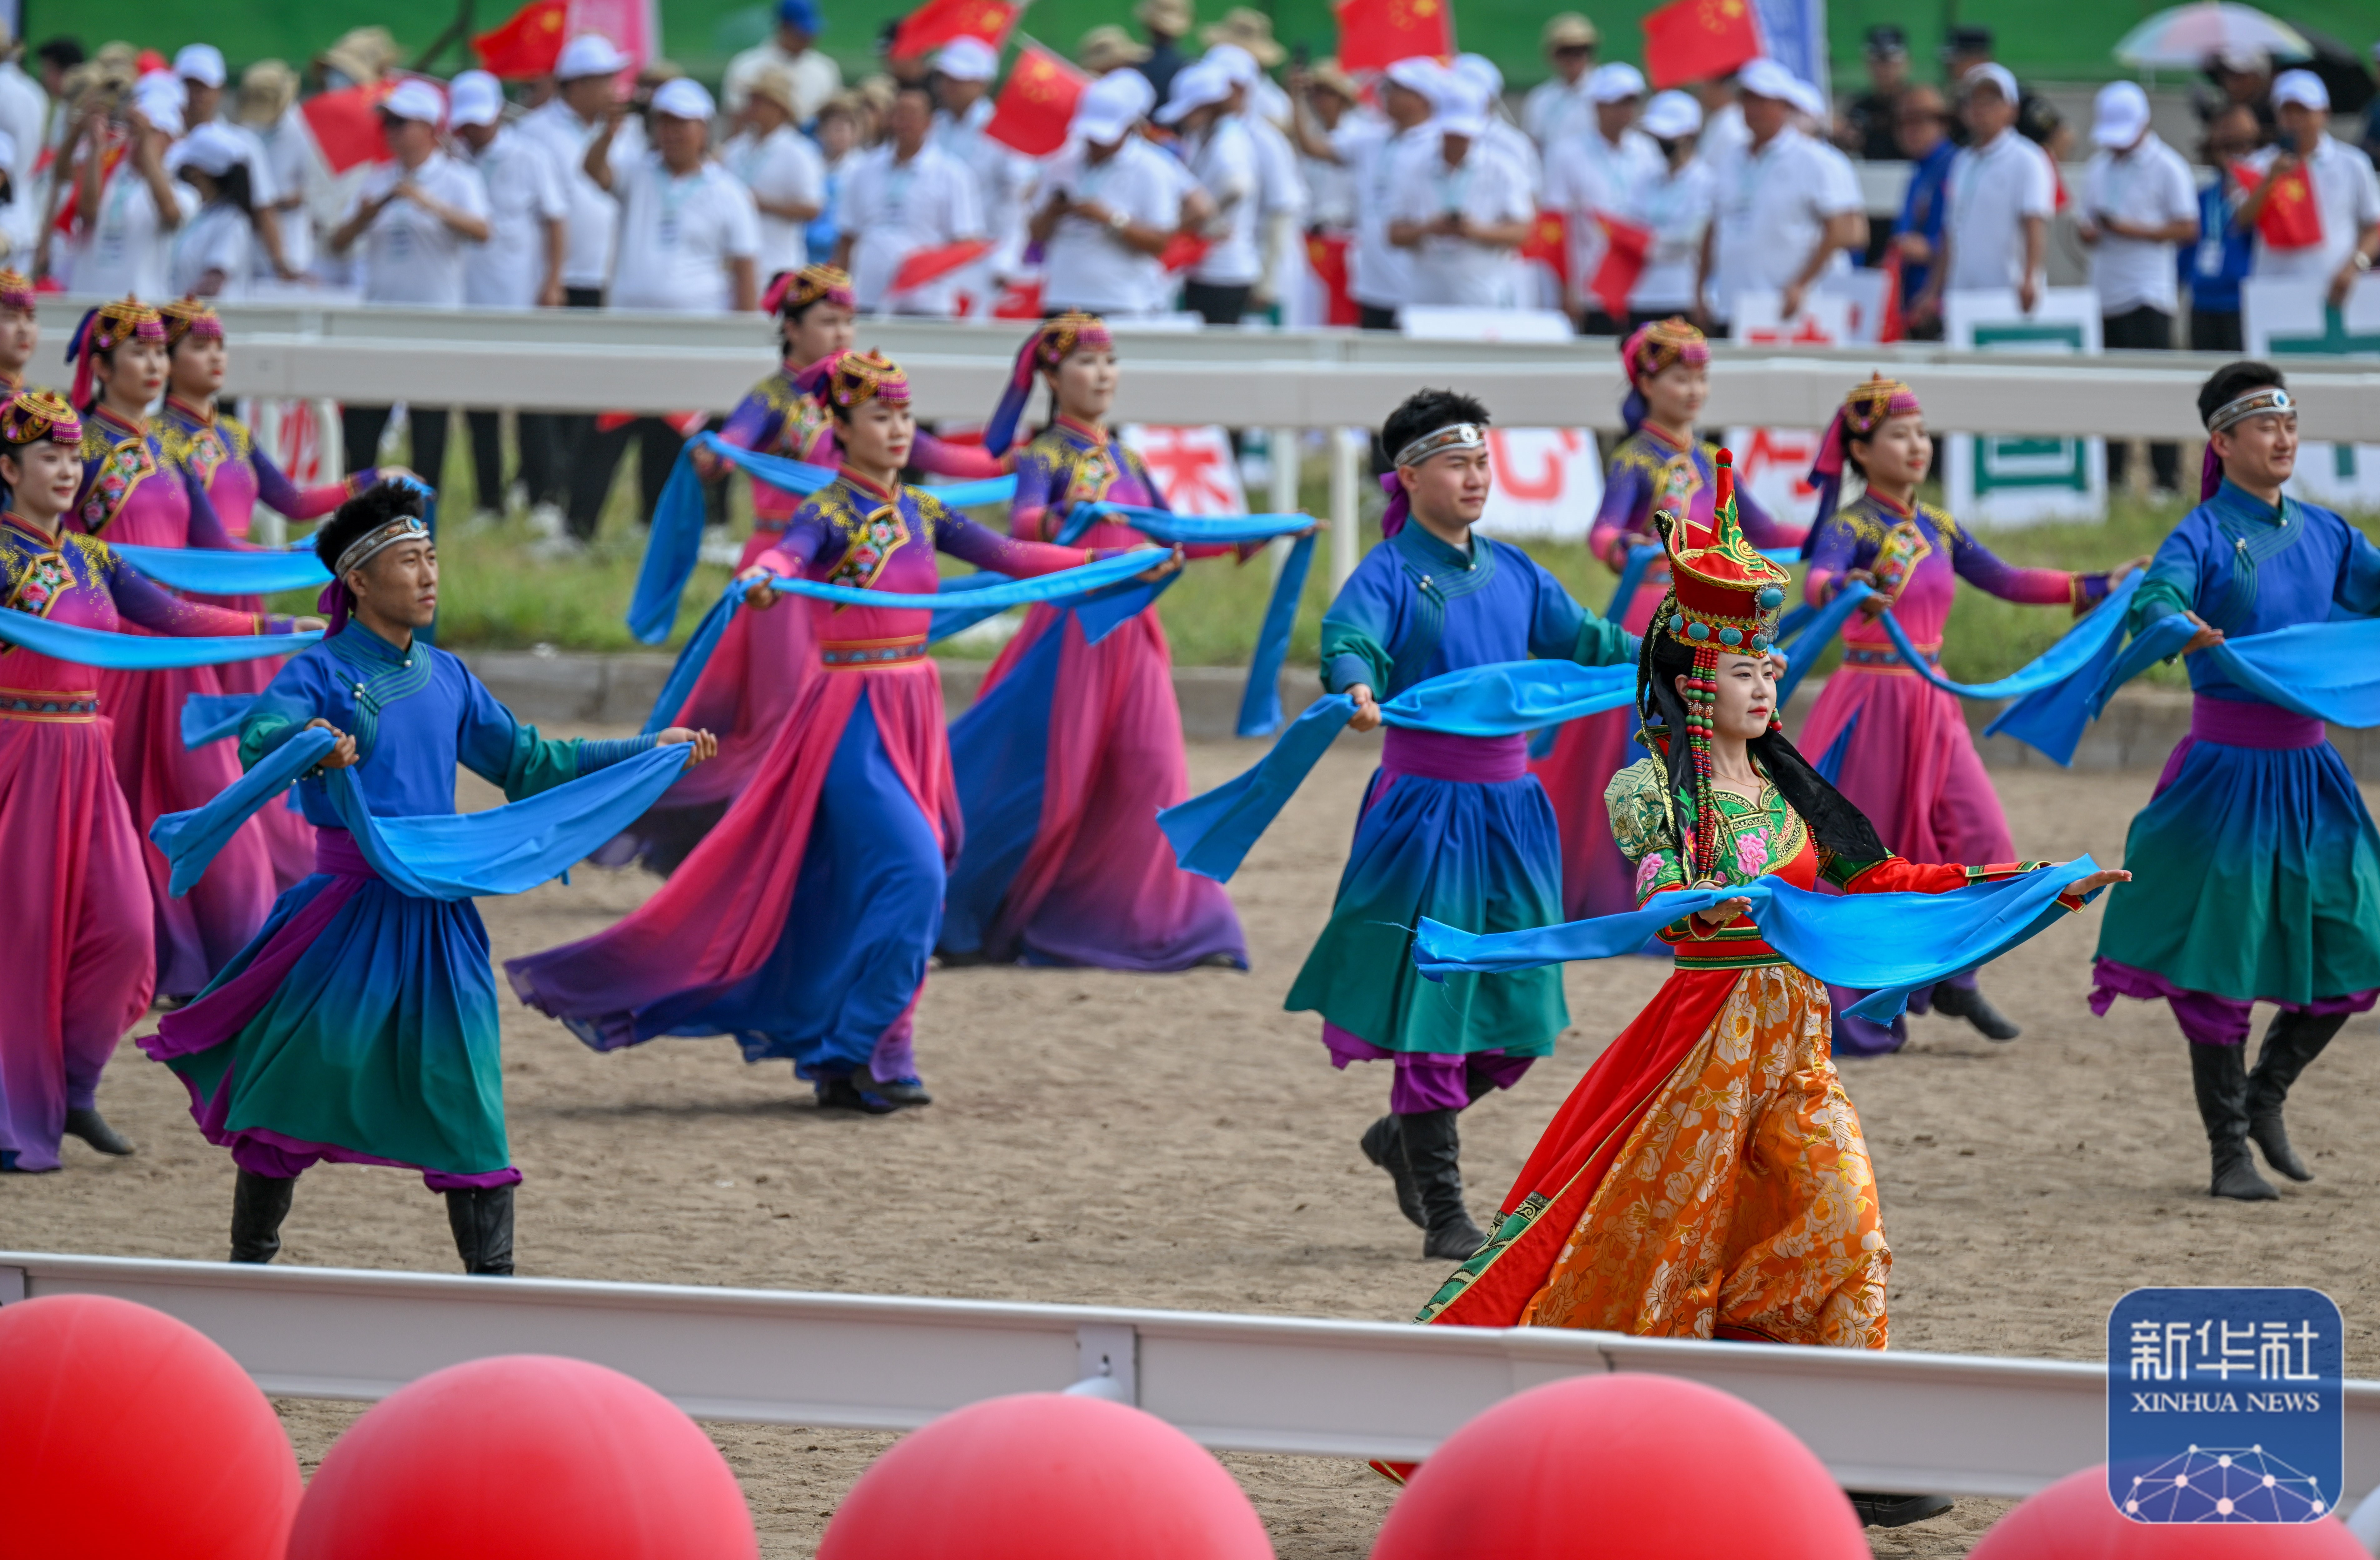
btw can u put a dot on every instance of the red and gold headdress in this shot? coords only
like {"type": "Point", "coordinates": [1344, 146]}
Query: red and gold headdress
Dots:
{"type": "Point", "coordinates": [1652, 347]}
{"type": "Point", "coordinates": [789, 292]}
{"type": "Point", "coordinates": [1868, 407]}
{"type": "Point", "coordinates": [1725, 598]}
{"type": "Point", "coordinates": [189, 317]}
{"type": "Point", "coordinates": [847, 378]}
{"type": "Point", "coordinates": [33, 416]}
{"type": "Point", "coordinates": [103, 330]}
{"type": "Point", "coordinates": [16, 289]}
{"type": "Point", "coordinates": [1058, 339]}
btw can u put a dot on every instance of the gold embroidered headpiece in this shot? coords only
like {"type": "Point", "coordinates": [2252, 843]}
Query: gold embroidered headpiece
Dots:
{"type": "Point", "coordinates": [33, 416]}
{"type": "Point", "coordinates": [189, 317]}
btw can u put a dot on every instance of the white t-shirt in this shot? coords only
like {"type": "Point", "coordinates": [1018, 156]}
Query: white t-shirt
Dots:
{"type": "Point", "coordinates": [1332, 186]}
{"type": "Point", "coordinates": [24, 113]}
{"type": "Point", "coordinates": [125, 251]}
{"type": "Point", "coordinates": [297, 172]}
{"type": "Point", "coordinates": [409, 256]}
{"type": "Point", "coordinates": [1085, 265]}
{"type": "Point", "coordinates": [1002, 178]}
{"type": "Point", "coordinates": [677, 234]}
{"type": "Point", "coordinates": [892, 209]}
{"type": "Point", "coordinates": [525, 192]}
{"type": "Point", "coordinates": [2150, 185]}
{"type": "Point", "coordinates": [2346, 193]}
{"type": "Point", "coordinates": [1586, 174]}
{"type": "Point", "coordinates": [1677, 207]}
{"type": "Point", "coordinates": [1380, 273]}
{"type": "Point", "coordinates": [1771, 209]}
{"type": "Point", "coordinates": [219, 237]}
{"type": "Point", "coordinates": [1557, 109]}
{"type": "Point", "coordinates": [1225, 161]}
{"type": "Point", "coordinates": [1991, 190]}
{"type": "Point", "coordinates": [1507, 140]}
{"type": "Point", "coordinates": [1485, 188]}
{"type": "Point", "coordinates": [780, 165]}
{"type": "Point", "coordinates": [594, 218]}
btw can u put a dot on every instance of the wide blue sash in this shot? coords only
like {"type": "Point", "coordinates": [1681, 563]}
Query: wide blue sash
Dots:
{"type": "Point", "coordinates": [111, 651]}
{"type": "Point", "coordinates": [214, 572]}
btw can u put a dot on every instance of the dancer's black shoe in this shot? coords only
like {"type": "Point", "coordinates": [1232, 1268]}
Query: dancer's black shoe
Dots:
{"type": "Point", "coordinates": [841, 1093]}
{"type": "Point", "coordinates": [2293, 1040]}
{"type": "Point", "coordinates": [1433, 1156]}
{"type": "Point", "coordinates": [259, 1203]}
{"type": "Point", "coordinates": [89, 1125]}
{"type": "Point", "coordinates": [1383, 1145]}
{"type": "Point", "coordinates": [1895, 1511]}
{"type": "Point", "coordinates": [482, 1218]}
{"type": "Point", "coordinates": [903, 1093]}
{"type": "Point", "coordinates": [2220, 1076]}
{"type": "Point", "coordinates": [1966, 1002]}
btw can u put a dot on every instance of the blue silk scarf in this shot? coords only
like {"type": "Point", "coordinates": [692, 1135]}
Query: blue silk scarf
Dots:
{"type": "Point", "coordinates": [111, 651]}
{"type": "Point", "coordinates": [213, 572]}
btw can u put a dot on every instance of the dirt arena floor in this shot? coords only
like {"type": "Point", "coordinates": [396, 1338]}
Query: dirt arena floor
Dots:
{"type": "Point", "coordinates": [1180, 1142]}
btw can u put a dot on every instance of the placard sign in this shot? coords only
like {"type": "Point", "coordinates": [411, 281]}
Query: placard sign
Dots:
{"type": "Point", "coordinates": [2223, 1406]}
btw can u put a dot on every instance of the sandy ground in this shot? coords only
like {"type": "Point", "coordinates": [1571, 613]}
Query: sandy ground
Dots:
{"type": "Point", "coordinates": [1180, 1142]}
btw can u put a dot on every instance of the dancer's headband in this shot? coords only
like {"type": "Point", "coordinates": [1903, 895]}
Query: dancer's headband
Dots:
{"type": "Point", "coordinates": [189, 317]}
{"type": "Point", "coordinates": [2266, 400]}
{"type": "Point", "coordinates": [1454, 436]}
{"type": "Point", "coordinates": [365, 548]}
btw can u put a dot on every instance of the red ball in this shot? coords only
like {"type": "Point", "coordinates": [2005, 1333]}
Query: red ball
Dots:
{"type": "Point", "coordinates": [1044, 1476]}
{"type": "Point", "coordinates": [2073, 1519]}
{"type": "Point", "coordinates": [130, 1432]}
{"type": "Point", "coordinates": [1626, 1466]}
{"type": "Point", "coordinates": [527, 1458]}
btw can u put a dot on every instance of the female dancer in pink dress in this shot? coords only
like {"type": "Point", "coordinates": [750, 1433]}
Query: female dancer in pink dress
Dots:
{"type": "Point", "coordinates": [1896, 745]}
{"type": "Point", "coordinates": [76, 918]}
{"type": "Point", "coordinates": [219, 454]}
{"type": "Point", "coordinates": [132, 494]}
{"type": "Point", "coordinates": [756, 674]}
{"type": "Point", "coordinates": [1071, 748]}
{"type": "Point", "coordinates": [803, 924]}
{"type": "Point", "coordinates": [1659, 465]}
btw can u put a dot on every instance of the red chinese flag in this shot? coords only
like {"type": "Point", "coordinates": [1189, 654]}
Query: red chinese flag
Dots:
{"type": "Point", "coordinates": [2290, 220]}
{"type": "Point", "coordinates": [1326, 255]}
{"type": "Point", "coordinates": [932, 265]}
{"type": "Point", "coordinates": [1036, 103]}
{"type": "Point", "coordinates": [345, 125]}
{"type": "Point", "coordinates": [936, 23]}
{"type": "Point", "coordinates": [1375, 34]}
{"type": "Point", "coordinates": [1548, 245]}
{"type": "Point", "coordinates": [1697, 39]}
{"type": "Point", "coordinates": [1183, 251]}
{"type": "Point", "coordinates": [1624, 246]}
{"type": "Point", "coordinates": [526, 46]}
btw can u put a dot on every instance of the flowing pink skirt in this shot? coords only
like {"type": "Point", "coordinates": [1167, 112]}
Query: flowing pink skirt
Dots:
{"type": "Point", "coordinates": [1909, 762]}
{"type": "Point", "coordinates": [1597, 880]}
{"type": "Point", "coordinates": [289, 838]}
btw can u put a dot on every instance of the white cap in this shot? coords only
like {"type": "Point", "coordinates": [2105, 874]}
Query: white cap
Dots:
{"type": "Point", "coordinates": [1616, 82]}
{"type": "Point", "coordinates": [1418, 73]}
{"type": "Point", "coordinates": [1239, 67]}
{"type": "Point", "coordinates": [683, 97]}
{"type": "Point", "coordinates": [202, 63]}
{"type": "Point", "coordinates": [414, 98]}
{"type": "Point", "coordinates": [2303, 88]}
{"type": "Point", "coordinates": [2120, 116]}
{"type": "Point", "coordinates": [1808, 99]}
{"type": "Point", "coordinates": [589, 54]}
{"type": "Point", "coordinates": [474, 98]}
{"type": "Point", "coordinates": [1765, 78]}
{"type": "Point", "coordinates": [1195, 87]}
{"type": "Point", "coordinates": [1481, 72]}
{"type": "Point", "coordinates": [1112, 106]}
{"type": "Point", "coordinates": [968, 59]}
{"type": "Point", "coordinates": [159, 98]}
{"type": "Point", "coordinates": [1462, 121]}
{"type": "Point", "coordinates": [1672, 115]}
{"type": "Point", "coordinates": [1996, 77]}
{"type": "Point", "coordinates": [213, 149]}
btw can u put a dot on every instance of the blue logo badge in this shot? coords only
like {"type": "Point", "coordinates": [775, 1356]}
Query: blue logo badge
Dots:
{"type": "Point", "coordinates": [2225, 1406]}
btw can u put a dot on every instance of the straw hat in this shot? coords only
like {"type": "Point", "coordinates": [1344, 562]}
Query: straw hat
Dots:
{"type": "Point", "coordinates": [776, 83]}
{"type": "Point", "coordinates": [1107, 48]}
{"type": "Point", "coordinates": [1171, 17]}
{"type": "Point", "coordinates": [1569, 30]}
{"type": "Point", "coordinates": [1326, 74]}
{"type": "Point", "coordinates": [266, 91]}
{"type": "Point", "coordinates": [362, 54]}
{"type": "Point", "coordinates": [1252, 31]}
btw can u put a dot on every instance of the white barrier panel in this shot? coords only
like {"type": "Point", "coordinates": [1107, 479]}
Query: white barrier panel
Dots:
{"type": "Point", "coordinates": [1883, 1421]}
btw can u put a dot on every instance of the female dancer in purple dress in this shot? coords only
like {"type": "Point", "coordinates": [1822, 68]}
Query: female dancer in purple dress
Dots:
{"type": "Point", "coordinates": [1659, 465]}
{"type": "Point", "coordinates": [76, 919]}
{"type": "Point", "coordinates": [756, 675]}
{"type": "Point", "coordinates": [132, 494]}
{"type": "Point", "coordinates": [1071, 748]}
{"type": "Point", "coordinates": [1898, 746]}
{"type": "Point", "coordinates": [833, 858]}
{"type": "Point", "coordinates": [218, 454]}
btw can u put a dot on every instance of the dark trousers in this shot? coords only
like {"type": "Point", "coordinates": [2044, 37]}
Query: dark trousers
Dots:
{"type": "Point", "coordinates": [1594, 322]}
{"type": "Point", "coordinates": [538, 470]}
{"type": "Point", "coordinates": [361, 428]}
{"type": "Point", "coordinates": [2216, 330]}
{"type": "Point", "coordinates": [2142, 329]}
{"type": "Point", "coordinates": [1372, 316]}
{"type": "Point", "coordinates": [597, 458]}
{"type": "Point", "coordinates": [570, 433]}
{"type": "Point", "coordinates": [1216, 303]}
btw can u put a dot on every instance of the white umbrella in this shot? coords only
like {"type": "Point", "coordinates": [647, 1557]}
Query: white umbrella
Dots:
{"type": "Point", "coordinates": [2188, 36]}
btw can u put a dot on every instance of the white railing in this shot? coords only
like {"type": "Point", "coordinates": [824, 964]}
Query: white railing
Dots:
{"type": "Point", "coordinates": [1893, 1421]}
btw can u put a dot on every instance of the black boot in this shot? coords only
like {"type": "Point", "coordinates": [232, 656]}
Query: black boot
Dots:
{"type": "Point", "coordinates": [1433, 1158]}
{"type": "Point", "coordinates": [1967, 1002]}
{"type": "Point", "coordinates": [2220, 1074]}
{"type": "Point", "coordinates": [89, 1125]}
{"type": "Point", "coordinates": [482, 1221]}
{"type": "Point", "coordinates": [1384, 1145]}
{"type": "Point", "coordinates": [259, 1203]}
{"type": "Point", "coordinates": [1895, 1511]}
{"type": "Point", "coordinates": [2293, 1040]}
